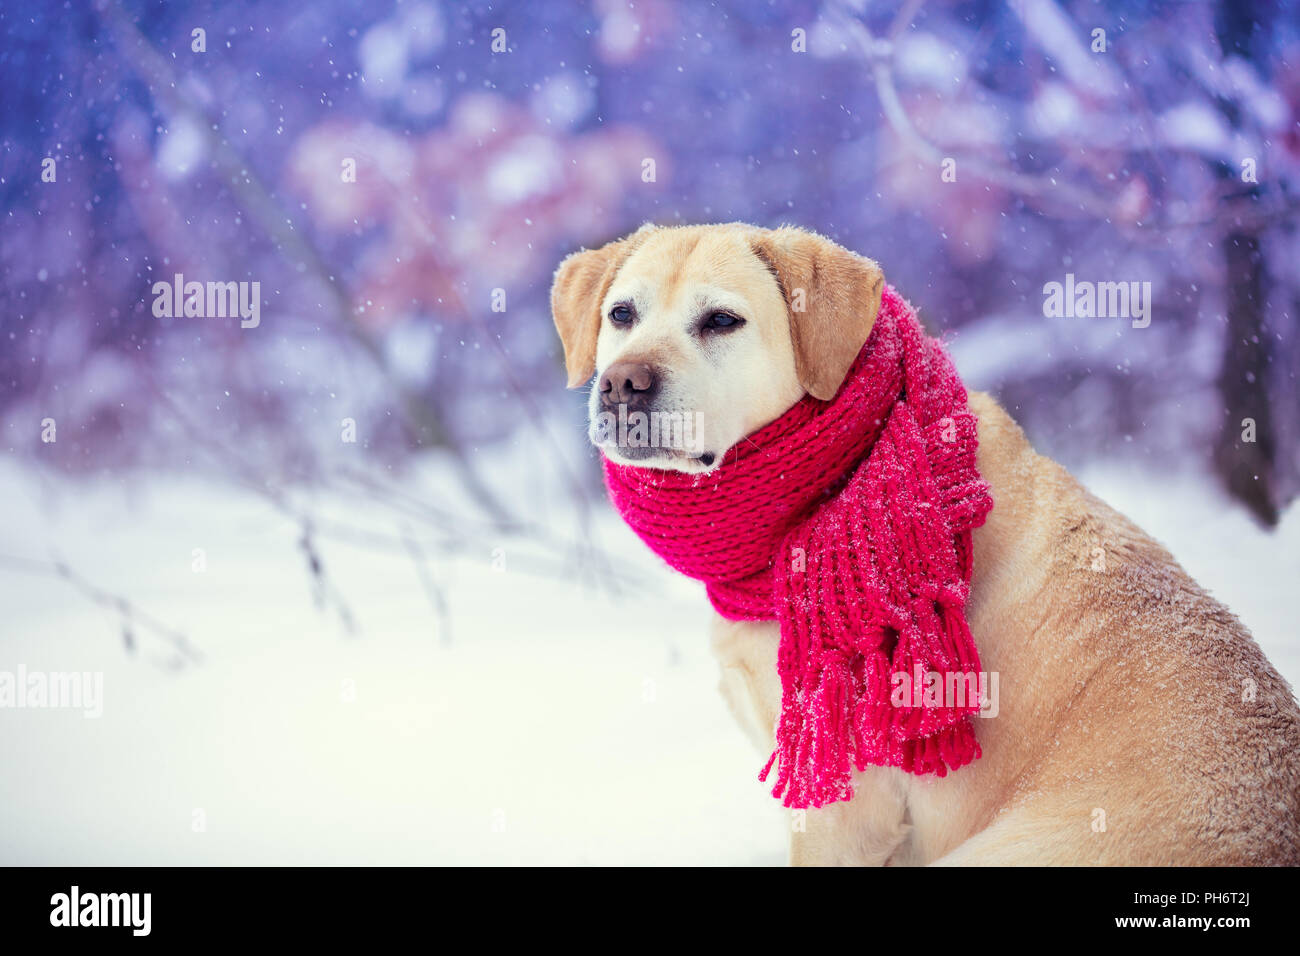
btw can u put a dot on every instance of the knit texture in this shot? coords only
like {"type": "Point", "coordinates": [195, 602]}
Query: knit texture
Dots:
{"type": "Point", "coordinates": [848, 522]}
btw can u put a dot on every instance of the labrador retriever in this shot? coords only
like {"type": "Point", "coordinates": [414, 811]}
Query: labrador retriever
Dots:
{"type": "Point", "coordinates": [1138, 721]}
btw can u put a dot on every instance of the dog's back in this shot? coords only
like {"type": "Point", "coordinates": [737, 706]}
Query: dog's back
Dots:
{"type": "Point", "coordinates": [1140, 722]}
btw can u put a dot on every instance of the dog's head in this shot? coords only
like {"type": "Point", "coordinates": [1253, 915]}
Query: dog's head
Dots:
{"type": "Point", "coordinates": [700, 335]}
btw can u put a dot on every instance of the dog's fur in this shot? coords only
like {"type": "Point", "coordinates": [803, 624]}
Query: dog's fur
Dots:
{"type": "Point", "coordinates": [1138, 721]}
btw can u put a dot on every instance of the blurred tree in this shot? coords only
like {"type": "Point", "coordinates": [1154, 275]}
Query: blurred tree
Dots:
{"type": "Point", "coordinates": [478, 170]}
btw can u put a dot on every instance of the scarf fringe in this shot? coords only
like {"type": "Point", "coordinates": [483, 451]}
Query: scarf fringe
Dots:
{"type": "Point", "coordinates": [841, 715]}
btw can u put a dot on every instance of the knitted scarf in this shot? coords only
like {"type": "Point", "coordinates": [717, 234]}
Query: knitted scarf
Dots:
{"type": "Point", "coordinates": [848, 522]}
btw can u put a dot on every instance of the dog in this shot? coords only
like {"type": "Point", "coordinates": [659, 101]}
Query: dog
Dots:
{"type": "Point", "coordinates": [1138, 721]}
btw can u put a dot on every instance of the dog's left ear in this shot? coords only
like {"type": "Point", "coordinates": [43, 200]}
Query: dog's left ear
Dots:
{"type": "Point", "coordinates": [832, 296]}
{"type": "Point", "coordinates": [581, 282]}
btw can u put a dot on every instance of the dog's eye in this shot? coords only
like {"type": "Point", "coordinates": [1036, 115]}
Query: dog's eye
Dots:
{"type": "Point", "coordinates": [721, 321]}
{"type": "Point", "coordinates": [620, 315]}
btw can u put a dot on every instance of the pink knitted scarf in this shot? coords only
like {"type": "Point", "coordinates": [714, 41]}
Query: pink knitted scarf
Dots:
{"type": "Point", "coordinates": [848, 522]}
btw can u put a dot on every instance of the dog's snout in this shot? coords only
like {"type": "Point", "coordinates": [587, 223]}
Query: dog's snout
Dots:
{"type": "Point", "coordinates": [629, 383]}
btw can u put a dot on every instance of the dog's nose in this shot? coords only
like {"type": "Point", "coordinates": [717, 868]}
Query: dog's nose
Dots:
{"type": "Point", "coordinates": [628, 383]}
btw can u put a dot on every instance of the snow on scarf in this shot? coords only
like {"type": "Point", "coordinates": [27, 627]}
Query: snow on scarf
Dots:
{"type": "Point", "coordinates": [848, 522]}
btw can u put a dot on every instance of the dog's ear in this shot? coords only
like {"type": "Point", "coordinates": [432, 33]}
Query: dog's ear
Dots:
{"type": "Point", "coordinates": [581, 282]}
{"type": "Point", "coordinates": [832, 296]}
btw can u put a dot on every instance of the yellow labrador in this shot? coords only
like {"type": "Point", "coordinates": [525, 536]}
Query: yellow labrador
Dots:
{"type": "Point", "coordinates": [1138, 722]}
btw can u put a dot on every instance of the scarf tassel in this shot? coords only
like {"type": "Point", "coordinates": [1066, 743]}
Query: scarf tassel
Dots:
{"type": "Point", "coordinates": [841, 712]}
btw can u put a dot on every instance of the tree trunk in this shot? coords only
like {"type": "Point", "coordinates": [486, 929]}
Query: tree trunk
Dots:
{"type": "Point", "coordinates": [1245, 454]}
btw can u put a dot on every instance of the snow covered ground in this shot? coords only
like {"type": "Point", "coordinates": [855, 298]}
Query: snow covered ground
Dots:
{"type": "Point", "coordinates": [558, 724]}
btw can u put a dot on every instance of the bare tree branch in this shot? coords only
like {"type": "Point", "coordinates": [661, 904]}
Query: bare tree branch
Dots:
{"type": "Point", "coordinates": [424, 422]}
{"type": "Point", "coordinates": [130, 615]}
